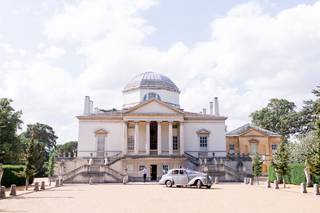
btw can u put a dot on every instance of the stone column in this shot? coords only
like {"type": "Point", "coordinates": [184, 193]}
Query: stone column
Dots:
{"type": "Point", "coordinates": [148, 138]}
{"type": "Point", "coordinates": [170, 139]}
{"type": "Point", "coordinates": [181, 139]}
{"type": "Point", "coordinates": [136, 138]}
{"type": "Point", "coordinates": [159, 138]}
{"type": "Point", "coordinates": [125, 138]}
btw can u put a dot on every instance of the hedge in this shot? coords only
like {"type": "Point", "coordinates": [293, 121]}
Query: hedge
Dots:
{"type": "Point", "coordinates": [10, 176]}
{"type": "Point", "coordinates": [295, 175]}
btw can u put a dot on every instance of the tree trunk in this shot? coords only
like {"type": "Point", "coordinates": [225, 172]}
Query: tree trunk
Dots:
{"type": "Point", "coordinates": [27, 184]}
{"type": "Point", "coordinates": [284, 182]}
{"type": "Point", "coordinates": [277, 176]}
{"type": "Point", "coordinates": [308, 176]}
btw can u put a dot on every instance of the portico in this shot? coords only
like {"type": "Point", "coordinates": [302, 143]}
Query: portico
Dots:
{"type": "Point", "coordinates": [153, 137]}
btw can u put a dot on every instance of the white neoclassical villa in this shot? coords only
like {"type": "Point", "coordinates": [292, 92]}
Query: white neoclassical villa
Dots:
{"type": "Point", "coordinates": [151, 130]}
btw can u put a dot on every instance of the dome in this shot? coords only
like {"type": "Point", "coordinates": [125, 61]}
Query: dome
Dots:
{"type": "Point", "coordinates": [151, 80]}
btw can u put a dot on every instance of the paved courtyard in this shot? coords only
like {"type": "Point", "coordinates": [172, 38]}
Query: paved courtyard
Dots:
{"type": "Point", "coordinates": [149, 198]}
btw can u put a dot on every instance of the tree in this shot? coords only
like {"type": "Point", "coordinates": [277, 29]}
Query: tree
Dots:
{"type": "Point", "coordinates": [314, 156]}
{"type": "Point", "coordinates": [29, 170]}
{"type": "Point", "coordinates": [280, 160]}
{"type": "Point", "coordinates": [257, 166]}
{"type": "Point", "coordinates": [68, 148]}
{"type": "Point", "coordinates": [10, 122]}
{"type": "Point", "coordinates": [306, 118]}
{"type": "Point", "coordinates": [45, 142]}
{"type": "Point", "coordinates": [278, 116]}
{"type": "Point", "coordinates": [51, 163]}
{"type": "Point", "coordinates": [43, 134]}
{"type": "Point", "coordinates": [301, 152]}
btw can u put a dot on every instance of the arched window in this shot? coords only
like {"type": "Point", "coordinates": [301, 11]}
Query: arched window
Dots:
{"type": "Point", "coordinates": [151, 95]}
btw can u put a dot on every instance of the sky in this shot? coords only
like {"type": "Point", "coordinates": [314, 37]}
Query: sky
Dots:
{"type": "Point", "coordinates": [54, 52]}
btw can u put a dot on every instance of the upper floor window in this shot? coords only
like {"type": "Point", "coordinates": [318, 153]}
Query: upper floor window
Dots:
{"type": "Point", "coordinates": [203, 142]}
{"type": "Point", "coordinates": [175, 142]}
{"type": "Point", "coordinates": [274, 148]}
{"type": "Point", "coordinates": [151, 95]}
{"type": "Point", "coordinates": [131, 142]}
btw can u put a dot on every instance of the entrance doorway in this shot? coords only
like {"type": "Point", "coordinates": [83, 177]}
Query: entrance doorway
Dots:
{"type": "Point", "coordinates": [153, 174]}
{"type": "Point", "coordinates": [153, 135]}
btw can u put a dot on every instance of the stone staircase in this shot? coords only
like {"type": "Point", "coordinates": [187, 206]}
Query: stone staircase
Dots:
{"type": "Point", "coordinates": [223, 168]}
{"type": "Point", "coordinates": [98, 170]}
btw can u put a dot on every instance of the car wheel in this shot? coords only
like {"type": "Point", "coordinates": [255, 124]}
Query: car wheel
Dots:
{"type": "Point", "coordinates": [168, 183]}
{"type": "Point", "coordinates": [199, 184]}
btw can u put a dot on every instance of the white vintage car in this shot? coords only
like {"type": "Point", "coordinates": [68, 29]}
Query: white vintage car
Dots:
{"type": "Point", "coordinates": [185, 177]}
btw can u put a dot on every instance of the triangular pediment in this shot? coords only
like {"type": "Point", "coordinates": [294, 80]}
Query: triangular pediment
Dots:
{"type": "Point", "coordinates": [153, 107]}
{"type": "Point", "coordinates": [253, 133]}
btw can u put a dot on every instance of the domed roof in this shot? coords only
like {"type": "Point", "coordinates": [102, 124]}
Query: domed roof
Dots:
{"type": "Point", "coordinates": [151, 80]}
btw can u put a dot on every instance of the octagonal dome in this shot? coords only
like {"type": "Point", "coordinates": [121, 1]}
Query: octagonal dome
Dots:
{"type": "Point", "coordinates": [151, 80]}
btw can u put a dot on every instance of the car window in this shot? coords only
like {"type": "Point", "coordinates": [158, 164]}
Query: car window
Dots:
{"type": "Point", "coordinates": [175, 172]}
{"type": "Point", "coordinates": [181, 172]}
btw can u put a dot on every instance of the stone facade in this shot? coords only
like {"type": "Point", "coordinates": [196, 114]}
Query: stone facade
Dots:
{"type": "Point", "coordinates": [248, 140]}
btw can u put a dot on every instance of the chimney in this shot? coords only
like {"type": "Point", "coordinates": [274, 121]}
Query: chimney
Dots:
{"type": "Point", "coordinates": [216, 106]}
{"type": "Point", "coordinates": [211, 107]}
{"type": "Point", "coordinates": [204, 110]}
{"type": "Point", "coordinates": [86, 110]}
{"type": "Point", "coordinates": [91, 107]}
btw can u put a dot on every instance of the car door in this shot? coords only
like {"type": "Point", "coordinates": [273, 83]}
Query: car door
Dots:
{"type": "Point", "coordinates": [175, 176]}
{"type": "Point", "coordinates": [183, 177]}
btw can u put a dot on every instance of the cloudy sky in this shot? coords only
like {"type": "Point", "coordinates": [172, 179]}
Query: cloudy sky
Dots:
{"type": "Point", "coordinates": [54, 52]}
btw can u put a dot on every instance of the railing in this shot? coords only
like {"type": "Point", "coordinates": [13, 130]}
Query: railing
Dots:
{"type": "Point", "coordinates": [207, 154]}
{"type": "Point", "coordinates": [74, 172]}
{"type": "Point", "coordinates": [98, 154]}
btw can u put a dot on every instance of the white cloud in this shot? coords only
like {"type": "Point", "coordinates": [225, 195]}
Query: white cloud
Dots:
{"type": "Point", "coordinates": [251, 57]}
{"type": "Point", "coordinates": [53, 53]}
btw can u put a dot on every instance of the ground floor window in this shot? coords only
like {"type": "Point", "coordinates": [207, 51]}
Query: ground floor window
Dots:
{"type": "Point", "coordinates": [253, 148]}
{"type": "Point", "coordinates": [203, 142]}
{"type": "Point", "coordinates": [141, 167]}
{"type": "Point", "coordinates": [231, 148]}
{"type": "Point", "coordinates": [175, 142]}
{"type": "Point", "coordinates": [131, 143]}
{"type": "Point", "coordinates": [274, 148]}
{"type": "Point", "coordinates": [165, 168]}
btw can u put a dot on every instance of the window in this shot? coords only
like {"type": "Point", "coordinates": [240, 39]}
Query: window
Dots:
{"type": "Point", "coordinates": [274, 148]}
{"type": "Point", "coordinates": [100, 145]}
{"type": "Point", "coordinates": [175, 142]}
{"type": "Point", "coordinates": [231, 148]}
{"type": "Point", "coordinates": [141, 167]}
{"type": "Point", "coordinates": [151, 95]}
{"type": "Point", "coordinates": [165, 168]}
{"type": "Point", "coordinates": [253, 148]}
{"type": "Point", "coordinates": [175, 172]}
{"type": "Point", "coordinates": [182, 172]}
{"type": "Point", "coordinates": [130, 143]}
{"type": "Point", "coordinates": [203, 142]}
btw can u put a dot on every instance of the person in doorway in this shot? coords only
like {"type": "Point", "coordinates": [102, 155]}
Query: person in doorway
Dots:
{"type": "Point", "coordinates": [144, 172]}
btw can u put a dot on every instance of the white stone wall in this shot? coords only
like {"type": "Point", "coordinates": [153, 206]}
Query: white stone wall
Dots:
{"type": "Point", "coordinates": [216, 139]}
{"type": "Point", "coordinates": [88, 141]}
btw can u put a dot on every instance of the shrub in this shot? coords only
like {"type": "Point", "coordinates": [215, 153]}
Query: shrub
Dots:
{"type": "Point", "coordinates": [295, 175]}
{"type": "Point", "coordinates": [10, 176]}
